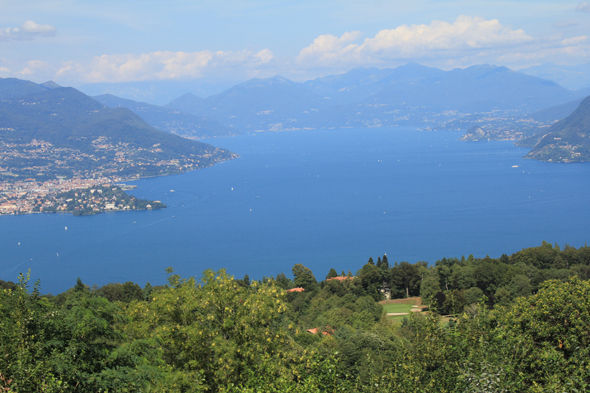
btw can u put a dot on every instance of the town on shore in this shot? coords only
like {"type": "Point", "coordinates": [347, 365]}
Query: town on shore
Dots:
{"type": "Point", "coordinates": [78, 196]}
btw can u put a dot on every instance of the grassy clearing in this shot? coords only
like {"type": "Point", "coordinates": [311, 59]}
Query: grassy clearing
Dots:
{"type": "Point", "coordinates": [389, 308]}
{"type": "Point", "coordinates": [410, 300]}
{"type": "Point", "coordinates": [401, 306]}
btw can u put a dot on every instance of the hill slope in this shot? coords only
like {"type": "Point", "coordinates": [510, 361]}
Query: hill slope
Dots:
{"type": "Point", "coordinates": [169, 119]}
{"type": "Point", "coordinates": [568, 140]}
{"type": "Point", "coordinates": [13, 88]}
{"type": "Point", "coordinates": [63, 132]}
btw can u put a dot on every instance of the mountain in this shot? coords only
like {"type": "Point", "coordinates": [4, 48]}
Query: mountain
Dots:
{"type": "Point", "coordinates": [350, 87]}
{"type": "Point", "coordinates": [568, 140]}
{"type": "Point", "coordinates": [557, 112]}
{"type": "Point", "coordinates": [188, 103]}
{"type": "Point", "coordinates": [13, 88]}
{"type": "Point", "coordinates": [571, 77]}
{"type": "Point", "coordinates": [361, 83]}
{"type": "Point", "coordinates": [50, 85]}
{"type": "Point", "coordinates": [370, 97]}
{"type": "Point", "coordinates": [475, 89]}
{"type": "Point", "coordinates": [170, 120]}
{"type": "Point", "coordinates": [261, 104]}
{"type": "Point", "coordinates": [159, 92]}
{"type": "Point", "coordinates": [61, 131]}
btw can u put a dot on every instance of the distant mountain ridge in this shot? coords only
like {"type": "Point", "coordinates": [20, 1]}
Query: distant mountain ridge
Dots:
{"type": "Point", "coordinates": [572, 77]}
{"type": "Point", "coordinates": [13, 88]}
{"type": "Point", "coordinates": [169, 119]}
{"type": "Point", "coordinates": [258, 104]}
{"type": "Point", "coordinates": [369, 97]}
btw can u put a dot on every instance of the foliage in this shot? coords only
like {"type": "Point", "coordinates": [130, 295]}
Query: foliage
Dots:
{"type": "Point", "coordinates": [214, 330]}
{"type": "Point", "coordinates": [514, 329]}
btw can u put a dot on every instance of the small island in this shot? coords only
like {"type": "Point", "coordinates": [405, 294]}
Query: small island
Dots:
{"type": "Point", "coordinates": [87, 201]}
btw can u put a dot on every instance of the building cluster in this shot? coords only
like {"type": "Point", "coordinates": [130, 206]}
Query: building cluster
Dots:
{"type": "Point", "coordinates": [30, 196]}
{"type": "Point", "coordinates": [32, 174]}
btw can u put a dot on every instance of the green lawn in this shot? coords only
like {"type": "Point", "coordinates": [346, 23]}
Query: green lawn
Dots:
{"type": "Point", "coordinates": [397, 308]}
{"type": "Point", "coordinates": [397, 319]}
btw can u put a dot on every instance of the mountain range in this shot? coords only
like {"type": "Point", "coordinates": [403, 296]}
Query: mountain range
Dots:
{"type": "Point", "coordinates": [46, 130]}
{"type": "Point", "coordinates": [570, 77]}
{"type": "Point", "coordinates": [368, 97]}
{"type": "Point", "coordinates": [169, 119]}
{"type": "Point", "coordinates": [514, 105]}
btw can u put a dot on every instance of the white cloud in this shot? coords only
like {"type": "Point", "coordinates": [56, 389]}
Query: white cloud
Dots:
{"type": "Point", "coordinates": [328, 48]}
{"type": "Point", "coordinates": [584, 7]}
{"type": "Point", "coordinates": [163, 65]}
{"type": "Point", "coordinates": [466, 41]}
{"type": "Point", "coordinates": [568, 23]}
{"type": "Point", "coordinates": [32, 67]}
{"type": "Point", "coordinates": [27, 31]}
{"type": "Point", "coordinates": [438, 40]}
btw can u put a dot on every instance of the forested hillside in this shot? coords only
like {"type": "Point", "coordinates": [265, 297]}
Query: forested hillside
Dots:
{"type": "Point", "coordinates": [514, 324]}
{"type": "Point", "coordinates": [50, 133]}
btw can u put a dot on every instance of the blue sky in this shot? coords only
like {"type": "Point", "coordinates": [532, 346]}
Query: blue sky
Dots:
{"type": "Point", "coordinates": [80, 42]}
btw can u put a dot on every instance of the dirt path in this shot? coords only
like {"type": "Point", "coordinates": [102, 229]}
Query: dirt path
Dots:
{"type": "Point", "coordinates": [397, 314]}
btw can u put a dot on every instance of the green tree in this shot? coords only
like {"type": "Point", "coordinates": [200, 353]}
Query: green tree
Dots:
{"type": "Point", "coordinates": [304, 277]}
{"type": "Point", "coordinates": [473, 295]}
{"type": "Point", "coordinates": [283, 281]}
{"type": "Point", "coordinates": [214, 330]}
{"type": "Point", "coordinates": [429, 288]}
{"type": "Point", "coordinates": [147, 291]}
{"type": "Point", "coordinates": [332, 273]}
{"type": "Point", "coordinates": [405, 280]}
{"type": "Point", "coordinates": [550, 332]}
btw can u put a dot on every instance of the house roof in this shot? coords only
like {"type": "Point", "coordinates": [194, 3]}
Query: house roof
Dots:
{"type": "Point", "coordinates": [325, 333]}
{"type": "Point", "coordinates": [340, 278]}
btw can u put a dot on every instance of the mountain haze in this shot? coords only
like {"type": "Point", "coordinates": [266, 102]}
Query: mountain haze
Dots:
{"type": "Point", "coordinates": [169, 119]}
{"type": "Point", "coordinates": [370, 97]}
{"type": "Point", "coordinates": [259, 104]}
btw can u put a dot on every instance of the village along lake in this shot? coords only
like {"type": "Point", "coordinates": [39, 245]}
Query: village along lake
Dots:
{"type": "Point", "coordinates": [323, 198]}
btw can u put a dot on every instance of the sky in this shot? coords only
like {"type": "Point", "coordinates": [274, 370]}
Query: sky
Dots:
{"type": "Point", "coordinates": [102, 41]}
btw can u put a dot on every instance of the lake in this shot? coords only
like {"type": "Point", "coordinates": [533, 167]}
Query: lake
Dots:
{"type": "Point", "coordinates": [328, 198]}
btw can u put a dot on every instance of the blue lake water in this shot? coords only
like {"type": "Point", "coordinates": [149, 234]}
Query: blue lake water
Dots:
{"type": "Point", "coordinates": [322, 198]}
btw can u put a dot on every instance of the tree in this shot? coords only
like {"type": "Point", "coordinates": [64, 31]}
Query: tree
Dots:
{"type": "Point", "coordinates": [80, 287]}
{"type": "Point", "coordinates": [385, 262]}
{"type": "Point", "coordinates": [147, 291]}
{"type": "Point", "coordinates": [215, 330]}
{"type": "Point", "coordinates": [429, 288]}
{"type": "Point", "coordinates": [489, 274]}
{"type": "Point", "coordinates": [283, 281]}
{"type": "Point", "coordinates": [371, 279]}
{"type": "Point", "coordinates": [126, 292]}
{"type": "Point", "coordinates": [304, 277]}
{"type": "Point", "coordinates": [332, 273]}
{"type": "Point", "coordinates": [405, 280]}
{"type": "Point", "coordinates": [550, 330]}
{"type": "Point", "coordinates": [473, 295]}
